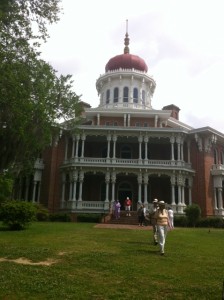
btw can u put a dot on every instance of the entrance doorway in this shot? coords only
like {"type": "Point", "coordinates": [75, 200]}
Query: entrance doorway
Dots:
{"type": "Point", "coordinates": [124, 191]}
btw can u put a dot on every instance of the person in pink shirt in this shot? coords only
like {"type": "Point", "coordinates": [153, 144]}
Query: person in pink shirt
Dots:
{"type": "Point", "coordinates": [162, 223]}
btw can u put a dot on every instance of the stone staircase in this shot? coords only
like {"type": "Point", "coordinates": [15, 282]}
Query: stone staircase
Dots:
{"type": "Point", "coordinates": [125, 220]}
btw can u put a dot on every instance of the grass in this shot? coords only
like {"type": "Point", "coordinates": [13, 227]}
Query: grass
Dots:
{"type": "Point", "coordinates": [96, 263]}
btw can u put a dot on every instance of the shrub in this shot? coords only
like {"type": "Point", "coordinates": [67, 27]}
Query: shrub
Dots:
{"type": "Point", "coordinates": [60, 217]}
{"type": "Point", "coordinates": [180, 221]}
{"type": "Point", "coordinates": [17, 215]}
{"type": "Point", "coordinates": [213, 222]}
{"type": "Point", "coordinates": [6, 184]}
{"type": "Point", "coordinates": [42, 213]}
{"type": "Point", "coordinates": [193, 213]}
{"type": "Point", "coordinates": [89, 218]}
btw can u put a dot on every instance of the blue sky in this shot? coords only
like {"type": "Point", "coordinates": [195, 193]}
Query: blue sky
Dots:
{"type": "Point", "coordinates": [182, 42]}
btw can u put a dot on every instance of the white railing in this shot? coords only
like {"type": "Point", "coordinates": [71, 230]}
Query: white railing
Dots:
{"type": "Point", "coordinates": [122, 161]}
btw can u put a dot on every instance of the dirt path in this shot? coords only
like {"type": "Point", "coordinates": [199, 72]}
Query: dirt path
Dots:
{"type": "Point", "coordinates": [122, 226]}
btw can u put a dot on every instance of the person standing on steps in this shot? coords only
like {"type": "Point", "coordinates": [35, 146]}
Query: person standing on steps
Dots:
{"type": "Point", "coordinates": [117, 209]}
{"type": "Point", "coordinates": [152, 212]}
{"type": "Point", "coordinates": [162, 222]}
{"type": "Point", "coordinates": [127, 205]}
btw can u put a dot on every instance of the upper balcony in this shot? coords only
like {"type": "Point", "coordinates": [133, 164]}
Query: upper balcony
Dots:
{"type": "Point", "coordinates": [127, 163]}
{"type": "Point", "coordinates": [217, 169]}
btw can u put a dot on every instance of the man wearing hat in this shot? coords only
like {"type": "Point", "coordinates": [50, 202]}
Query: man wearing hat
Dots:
{"type": "Point", "coordinates": [162, 222]}
{"type": "Point", "coordinates": [153, 220]}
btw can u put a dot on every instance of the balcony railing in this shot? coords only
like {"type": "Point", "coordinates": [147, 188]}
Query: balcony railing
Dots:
{"type": "Point", "coordinates": [92, 161]}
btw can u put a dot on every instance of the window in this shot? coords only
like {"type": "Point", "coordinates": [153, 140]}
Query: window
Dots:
{"type": "Point", "coordinates": [125, 94]}
{"type": "Point", "coordinates": [135, 95]}
{"type": "Point", "coordinates": [108, 97]}
{"type": "Point", "coordinates": [116, 94]}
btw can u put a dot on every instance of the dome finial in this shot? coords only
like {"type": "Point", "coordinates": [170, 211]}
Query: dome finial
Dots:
{"type": "Point", "coordinates": [126, 40]}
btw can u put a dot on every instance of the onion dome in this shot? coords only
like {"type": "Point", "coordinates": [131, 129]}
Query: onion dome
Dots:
{"type": "Point", "coordinates": [126, 60]}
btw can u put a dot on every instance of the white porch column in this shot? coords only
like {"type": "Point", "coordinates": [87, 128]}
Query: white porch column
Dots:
{"type": "Point", "coordinates": [140, 139]}
{"type": "Point", "coordinates": [70, 186]}
{"type": "Point", "coordinates": [73, 146]}
{"type": "Point", "coordinates": [113, 180]}
{"type": "Point", "coordinates": [178, 148]}
{"type": "Point", "coordinates": [146, 180]}
{"type": "Point", "coordinates": [220, 202]}
{"type": "Point", "coordinates": [188, 152]}
{"type": "Point", "coordinates": [107, 180]}
{"type": "Point", "coordinates": [173, 182]}
{"type": "Point", "coordinates": [108, 145]}
{"type": "Point", "coordinates": [75, 178]}
{"type": "Point", "coordinates": [83, 144]}
{"type": "Point", "coordinates": [81, 178]}
{"type": "Point", "coordinates": [215, 199]}
{"type": "Point", "coordinates": [181, 150]}
{"type": "Point", "coordinates": [125, 120]}
{"type": "Point", "coordinates": [34, 190]}
{"type": "Point", "coordinates": [140, 188]}
{"type": "Point", "coordinates": [63, 190]}
{"type": "Point", "coordinates": [146, 140]}
{"type": "Point", "coordinates": [66, 148]}
{"type": "Point", "coordinates": [114, 145]}
{"type": "Point", "coordinates": [77, 146]}
{"type": "Point", "coordinates": [129, 118]}
{"type": "Point", "coordinates": [190, 182]}
{"type": "Point", "coordinates": [183, 198]}
{"type": "Point", "coordinates": [172, 140]}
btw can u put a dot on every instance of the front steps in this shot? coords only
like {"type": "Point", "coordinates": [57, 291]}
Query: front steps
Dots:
{"type": "Point", "coordinates": [125, 220]}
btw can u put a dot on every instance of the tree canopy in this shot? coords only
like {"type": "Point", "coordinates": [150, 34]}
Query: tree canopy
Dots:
{"type": "Point", "coordinates": [32, 95]}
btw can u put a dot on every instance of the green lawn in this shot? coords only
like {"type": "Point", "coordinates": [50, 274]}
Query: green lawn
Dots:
{"type": "Point", "coordinates": [96, 263]}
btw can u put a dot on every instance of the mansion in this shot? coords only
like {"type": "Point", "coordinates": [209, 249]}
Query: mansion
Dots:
{"type": "Point", "coordinates": [124, 147]}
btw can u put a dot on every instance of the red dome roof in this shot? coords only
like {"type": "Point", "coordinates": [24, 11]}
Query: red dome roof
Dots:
{"type": "Point", "coordinates": [126, 61]}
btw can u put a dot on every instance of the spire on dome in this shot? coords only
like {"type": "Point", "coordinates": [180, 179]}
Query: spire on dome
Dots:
{"type": "Point", "coordinates": [126, 40]}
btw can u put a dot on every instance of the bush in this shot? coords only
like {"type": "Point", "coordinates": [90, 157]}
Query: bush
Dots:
{"type": "Point", "coordinates": [180, 221]}
{"type": "Point", "coordinates": [60, 217]}
{"type": "Point", "coordinates": [6, 184]}
{"type": "Point", "coordinates": [17, 215]}
{"type": "Point", "coordinates": [213, 222]}
{"type": "Point", "coordinates": [193, 213]}
{"type": "Point", "coordinates": [89, 218]}
{"type": "Point", "coordinates": [42, 213]}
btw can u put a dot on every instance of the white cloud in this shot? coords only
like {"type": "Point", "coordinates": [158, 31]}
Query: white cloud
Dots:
{"type": "Point", "coordinates": [181, 41]}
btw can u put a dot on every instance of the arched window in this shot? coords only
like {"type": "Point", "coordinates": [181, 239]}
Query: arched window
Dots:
{"type": "Point", "coordinates": [108, 97]}
{"type": "Point", "coordinates": [135, 95]}
{"type": "Point", "coordinates": [125, 94]}
{"type": "Point", "coordinates": [116, 94]}
{"type": "Point", "coordinates": [143, 97]}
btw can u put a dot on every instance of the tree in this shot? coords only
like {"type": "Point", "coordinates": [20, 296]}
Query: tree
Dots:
{"type": "Point", "coordinates": [32, 96]}
{"type": "Point", "coordinates": [193, 213]}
